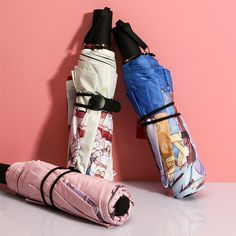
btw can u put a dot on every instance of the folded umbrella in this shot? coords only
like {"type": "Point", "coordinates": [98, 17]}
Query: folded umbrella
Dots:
{"type": "Point", "coordinates": [98, 200]}
{"type": "Point", "coordinates": [94, 79]}
{"type": "Point", "coordinates": [150, 90]}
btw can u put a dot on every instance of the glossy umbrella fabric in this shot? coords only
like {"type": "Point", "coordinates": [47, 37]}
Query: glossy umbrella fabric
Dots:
{"type": "Point", "coordinates": [149, 88]}
{"type": "Point", "coordinates": [98, 200]}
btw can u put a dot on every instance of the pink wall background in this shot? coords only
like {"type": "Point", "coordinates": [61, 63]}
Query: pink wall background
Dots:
{"type": "Point", "coordinates": [39, 45]}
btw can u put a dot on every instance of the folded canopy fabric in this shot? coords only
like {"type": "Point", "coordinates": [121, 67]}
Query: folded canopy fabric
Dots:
{"type": "Point", "coordinates": [90, 140]}
{"type": "Point", "coordinates": [149, 88]}
{"type": "Point", "coordinates": [98, 200]}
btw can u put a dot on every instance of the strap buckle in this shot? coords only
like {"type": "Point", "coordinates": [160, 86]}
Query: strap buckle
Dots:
{"type": "Point", "coordinates": [97, 102]}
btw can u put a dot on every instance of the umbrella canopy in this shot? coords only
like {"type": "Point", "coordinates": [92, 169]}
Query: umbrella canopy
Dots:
{"type": "Point", "coordinates": [150, 90]}
{"type": "Point", "coordinates": [94, 78]}
{"type": "Point", "coordinates": [98, 200]}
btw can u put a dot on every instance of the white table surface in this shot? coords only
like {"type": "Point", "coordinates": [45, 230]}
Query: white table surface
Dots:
{"type": "Point", "coordinates": [211, 212]}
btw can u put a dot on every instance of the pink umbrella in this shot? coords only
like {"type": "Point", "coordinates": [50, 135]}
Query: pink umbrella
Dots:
{"type": "Point", "coordinates": [98, 200]}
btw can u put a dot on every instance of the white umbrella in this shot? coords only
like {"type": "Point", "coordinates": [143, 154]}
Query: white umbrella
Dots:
{"type": "Point", "coordinates": [94, 78]}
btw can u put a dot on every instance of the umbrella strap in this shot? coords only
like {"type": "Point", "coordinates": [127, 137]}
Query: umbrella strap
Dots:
{"type": "Point", "coordinates": [120, 24]}
{"type": "Point", "coordinates": [155, 111]}
{"type": "Point", "coordinates": [97, 102]}
{"type": "Point", "coordinates": [44, 180]}
{"type": "Point", "coordinates": [160, 119]}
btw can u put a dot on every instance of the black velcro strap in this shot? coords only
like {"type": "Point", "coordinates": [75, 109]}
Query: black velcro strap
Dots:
{"type": "Point", "coordinates": [160, 119]}
{"type": "Point", "coordinates": [44, 180]}
{"type": "Point", "coordinates": [97, 102]}
{"type": "Point", "coordinates": [155, 111]}
{"type": "Point", "coordinates": [135, 37]}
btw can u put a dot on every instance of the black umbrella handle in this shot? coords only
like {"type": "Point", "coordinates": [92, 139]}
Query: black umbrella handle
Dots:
{"type": "Point", "coordinates": [3, 170]}
{"type": "Point", "coordinates": [100, 32]}
{"type": "Point", "coordinates": [123, 26]}
{"type": "Point", "coordinates": [128, 42]}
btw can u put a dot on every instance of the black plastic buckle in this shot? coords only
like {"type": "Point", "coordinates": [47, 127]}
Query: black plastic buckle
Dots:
{"type": "Point", "coordinates": [97, 102]}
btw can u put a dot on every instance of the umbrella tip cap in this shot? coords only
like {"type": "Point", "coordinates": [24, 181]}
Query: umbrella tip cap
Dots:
{"type": "Point", "coordinates": [122, 206]}
{"type": "Point", "coordinates": [3, 170]}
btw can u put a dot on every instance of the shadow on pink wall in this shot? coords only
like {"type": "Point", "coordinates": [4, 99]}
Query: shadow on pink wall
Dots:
{"type": "Point", "coordinates": [132, 157]}
{"type": "Point", "coordinates": [52, 143]}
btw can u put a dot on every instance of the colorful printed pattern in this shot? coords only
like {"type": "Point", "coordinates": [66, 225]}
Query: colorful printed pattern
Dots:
{"type": "Point", "coordinates": [101, 152]}
{"type": "Point", "coordinates": [76, 135]}
{"type": "Point", "coordinates": [149, 87]}
{"type": "Point", "coordinates": [178, 155]}
{"type": "Point", "coordinates": [86, 199]}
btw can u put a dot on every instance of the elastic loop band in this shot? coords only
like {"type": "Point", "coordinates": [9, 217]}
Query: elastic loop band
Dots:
{"type": "Point", "coordinates": [160, 119]}
{"type": "Point", "coordinates": [155, 111]}
{"type": "Point", "coordinates": [55, 182]}
{"type": "Point", "coordinates": [44, 180]}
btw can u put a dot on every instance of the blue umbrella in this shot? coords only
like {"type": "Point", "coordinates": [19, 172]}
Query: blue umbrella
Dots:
{"type": "Point", "coordinates": [149, 88]}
